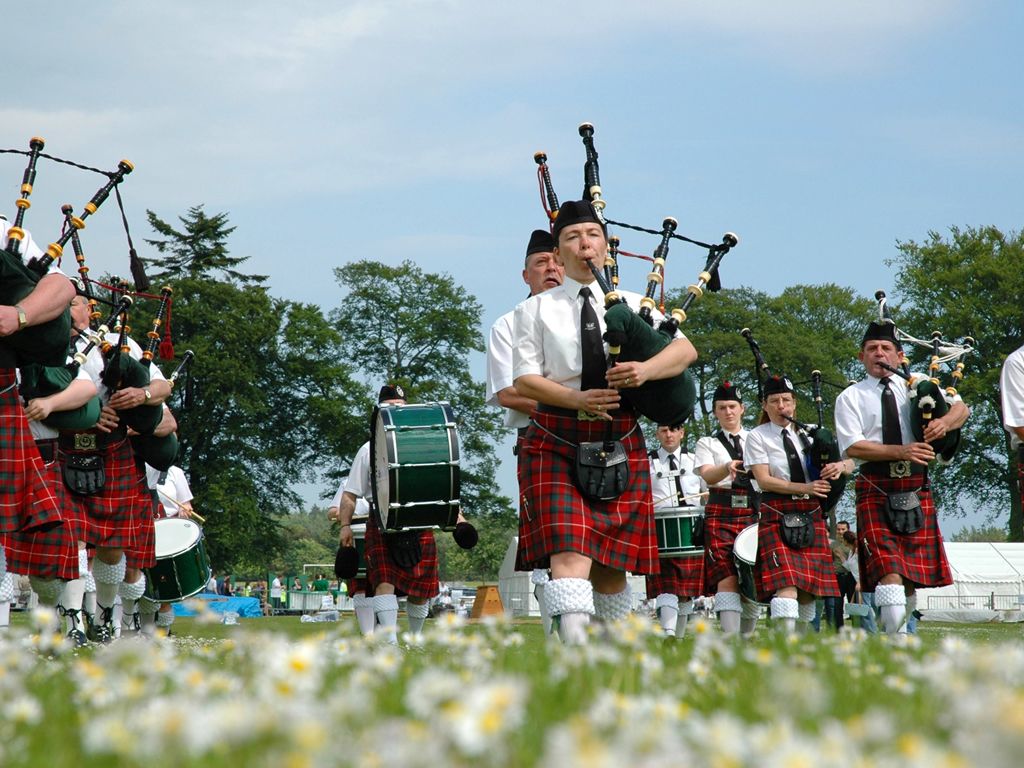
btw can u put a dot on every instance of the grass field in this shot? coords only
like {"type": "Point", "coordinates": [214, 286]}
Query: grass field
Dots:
{"type": "Point", "coordinates": [279, 692]}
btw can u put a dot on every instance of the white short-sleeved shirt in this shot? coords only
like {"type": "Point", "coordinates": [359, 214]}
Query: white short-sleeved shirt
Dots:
{"type": "Point", "coordinates": [1011, 388]}
{"type": "Point", "coordinates": [499, 367]}
{"type": "Point", "coordinates": [358, 481]}
{"type": "Point", "coordinates": [709, 452]}
{"type": "Point", "coordinates": [173, 492]}
{"type": "Point", "coordinates": [764, 446]}
{"type": "Point", "coordinates": [275, 588]}
{"type": "Point", "coordinates": [663, 480]}
{"type": "Point", "coordinates": [362, 505]}
{"type": "Point", "coordinates": [41, 431]}
{"type": "Point", "coordinates": [546, 332]}
{"type": "Point", "coordinates": [28, 248]}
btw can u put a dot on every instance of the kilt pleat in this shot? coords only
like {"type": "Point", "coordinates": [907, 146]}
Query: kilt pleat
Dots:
{"type": "Point", "coordinates": [919, 557]}
{"type": "Point", "coordinates": [27, 503]}
{"type": "Point", "coordinates": [682, 576]}
{"type": "Point", "coordinates": [418, 581]}
{"type": "Point", "coordinates": [143, 553]}
{"type": "Point", "coordinates": [778, 565]}
{"type": "Point", "coordinates": [53, 553]}
{"type": "Point", "coordinates": [722, 525]}
{"type": "Point", "coordinates": [111, 515]}
{"type": "Point", "coordinates": [554, 515]}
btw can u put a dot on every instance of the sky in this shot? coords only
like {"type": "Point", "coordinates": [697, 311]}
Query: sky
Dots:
{"type": "Point", "coordinates": [822, 133]}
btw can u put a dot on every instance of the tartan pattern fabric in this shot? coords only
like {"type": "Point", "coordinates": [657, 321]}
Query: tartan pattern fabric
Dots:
{"type": "Point", "coordinates": [555, 517]}
{"type": "Point", "coordinates": [918, 557]}
{"type": "Point", "coordinates": [143, 554]}
{"type": "Point", "coordinates": [49, 554]}
{"type": "Point", "coordinates": [352, 586]}
{"type": "Point", "coordinates": [26, 502]}
{"type": "Point", "coordinates": [682, 576]}
{"type": "Point", "coordinates": [419, 581]}
{"type": "Point", "coordinates": [779, 566]}
{"type": "Point", "coordinates": [110, 515]}
{"type": "Point", "coordinates": [722, 525]}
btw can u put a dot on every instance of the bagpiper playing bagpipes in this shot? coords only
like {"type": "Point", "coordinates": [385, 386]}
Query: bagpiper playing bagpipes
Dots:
{"type": "Point", "coordinates": [894, 432]}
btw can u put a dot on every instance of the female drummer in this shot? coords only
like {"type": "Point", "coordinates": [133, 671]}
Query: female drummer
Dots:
{"type": "Point", "coordinates": [731, 507]}
{"type": "Point", "coordinates": [559, 361]}
{"type": "Point", "coordinates": [794, 561]}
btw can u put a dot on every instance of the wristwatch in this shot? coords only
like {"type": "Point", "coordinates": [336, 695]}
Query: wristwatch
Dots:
{"type": "Point", "coordinates": [22, 317]}
{"type": "Point", "coordinates": [147, 394]}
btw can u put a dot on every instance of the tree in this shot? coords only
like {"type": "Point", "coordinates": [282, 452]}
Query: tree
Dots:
{"type": "Point", "coordinates": [271, 403]}
{"type": "Point", "coordinates": [981, 533]}
{"type": "Point", "coordinates": [416, 328]}
{"type": "Point", "coordinates": [970, 284]}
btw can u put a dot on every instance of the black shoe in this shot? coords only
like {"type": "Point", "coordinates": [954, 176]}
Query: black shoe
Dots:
{"type": "Point", "coordinates": [78, 638]}
{"type": "Point", "coordinates": [103, 630]}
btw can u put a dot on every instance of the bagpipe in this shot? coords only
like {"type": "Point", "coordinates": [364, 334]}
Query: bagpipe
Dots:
{"type": "Point", "coordinates": [45, 343]}
{"type": "Point", "coordinates": [927, 394]}
{"type": "Point", "coordinates": [819, 441]}
{"type": "Point", "coordinates": [631, 336]}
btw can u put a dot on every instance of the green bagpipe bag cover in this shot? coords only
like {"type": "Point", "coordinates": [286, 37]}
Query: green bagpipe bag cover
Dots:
{"type": "Point", "coordinates": [160, 453]}
{"type": "Point", "coordinates": [123, 371]}
{"type": "Point", "coordinates": [46, 343]}
{"type": "Point", "coordinates": [45, 380]}
{"type": "Point", "coordinates": [665, 401]}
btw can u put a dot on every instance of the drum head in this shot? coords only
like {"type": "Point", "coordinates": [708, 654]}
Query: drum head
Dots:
{"type": "Point", "coordinates": [678, 512]}
{"type": "Point", "coordinates": [174, 536]}
{"type": "Point", "coordinates": [745, 546]}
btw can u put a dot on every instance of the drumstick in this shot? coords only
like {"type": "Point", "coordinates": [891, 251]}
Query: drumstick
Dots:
{"type": "Point", "coordinates": [193, 513]}
{"type": "Point", "coordinates": [691, 496]}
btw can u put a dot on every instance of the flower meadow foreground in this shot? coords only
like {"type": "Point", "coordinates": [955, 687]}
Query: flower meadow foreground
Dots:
{"type": "Point", "coordinates": [485, 695]}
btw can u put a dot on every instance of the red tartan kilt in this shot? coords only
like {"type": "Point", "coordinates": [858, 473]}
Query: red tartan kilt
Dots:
{"type": "Point", "coordinates": [51, 554]}
{"type": "Point", "coordinates": [722, 525]}
{"type": "Point", "coordinates": [419, 581]}
{"type": "Point", "coordinates": [682, 576]}
{"type": "Point", "coordinates": [26, 501]}
{"type": "Point", "coordinates": [354, 586]}
{"type": "Point", "coordinates": [111, 514]}
{"type": "Point", "coordinates": [780, 566]}
{"type": "Point", "coordinates": [143, 554]}
{"type": "Point", "coordinates": [918, 557]}
{"type": "Point", "coordinates": [554, 515]}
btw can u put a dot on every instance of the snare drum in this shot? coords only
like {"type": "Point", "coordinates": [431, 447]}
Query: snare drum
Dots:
{"type": "Point", "coordinates": [744, 553]}
{"type": "Point", "coordinates": [182, 567]}
{"type": "Point", "coordinates": [415, 453]}
{"type": "Point", "coordinates": [674, 526]}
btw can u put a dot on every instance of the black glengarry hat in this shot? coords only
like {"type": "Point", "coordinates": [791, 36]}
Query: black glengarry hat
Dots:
{"type": "Point", "coordinates": [576, 212]}
{"type": "Point", "coordinates": [880, 332]}
{"type": "Point", "coordinates": [726, 391]}
{"type": "Point", "coordinates": [390, 392]}
{"type": "Point", "coordinates": [777, 385]}
{"type": "Point", "coordinates": [541, 241]}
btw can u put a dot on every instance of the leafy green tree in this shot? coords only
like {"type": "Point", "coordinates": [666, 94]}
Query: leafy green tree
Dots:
{"type": "Point", "coordinates": [981, 533]}
{"type": "Point", "coordinates": [269, 402]}
{"type": "Point", "coordinates": [416, 328]}
{"type": "Point", "coordinates": [969, 284]}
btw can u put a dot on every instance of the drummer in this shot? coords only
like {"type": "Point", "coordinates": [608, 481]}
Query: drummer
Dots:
{"type": "Point", "coordinates": [356, 588]}
{"type": "Point", "coordinates": [386, 577]}
{"type": "Point", "coordinates": [731, 507]}
{"type": "Point", "coordinates": [674, 485]}
{"type": "Point", "coordinates": [559, 360]}
{"type": "Point", "coordinates": [794, 561]}
{"type": "Point", "coordinates": [541, 272]}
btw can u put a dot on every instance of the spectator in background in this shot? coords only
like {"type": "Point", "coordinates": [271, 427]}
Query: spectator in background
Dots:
{"type": "Point", "coordinates": [867, 622]}
{"type": "Point", "coordinates": [276, 592]}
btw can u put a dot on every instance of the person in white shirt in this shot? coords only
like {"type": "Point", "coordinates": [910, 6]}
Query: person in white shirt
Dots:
{"type": "Point", "coordinates": [1011, 388]}
{"type": "Point", "coordinates": [559, 360]}
{"type": "Point", "coordinates": [675, 486]}
{"type": "Point", "coordinates": [903, 550]}
{"type": "Point", "coordinates": [541, 272]}
{"type": "Point", "coordinates": [794, 559]}
{"type": "Point", "coordinates": [731, 507]}
{"type": "Point", "coordinates": [276, 592]}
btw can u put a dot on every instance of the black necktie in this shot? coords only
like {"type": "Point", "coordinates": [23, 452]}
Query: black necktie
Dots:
{"type": "Point", "coordinates": [679, 482]}
{"type": "Point", "coordinates": [741, 480]}
{"type": "Point", "coordinates": [796, 467]}
{"type": "Point", "coordinates": [891, 432]}
{"type": "Point", "coordinates": [594, 363]}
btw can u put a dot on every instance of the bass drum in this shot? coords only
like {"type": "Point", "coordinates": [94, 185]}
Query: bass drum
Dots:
{"type": "Point", "coordinates": [182, 567]}
{"type": "Point", "coordinates": [415, 453]}
{"type": "Point", "coordinates": [744, 552]}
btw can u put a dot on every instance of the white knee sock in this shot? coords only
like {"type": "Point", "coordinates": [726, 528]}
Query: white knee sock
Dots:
{"type": "Point", "coordinates": [542, 604]}
{"type": "Point", "coordinates": [386, 609]}
{"type": "Point", "coordinates": [48, 590]}
{"type": "Point", "coordinates": [685, 611]}
{"type": "Point", "coordinates": [5, 614]}
{"type": "Point", "coordinates": [417, 613]}
{"type": "Point", "coordinates": [147, 616]}
{"type": "Point", "coordinates": [164, 620]}
{"type": "Point", "coordinates": [572, 602]}
{"type": "Point", "coordinates": [806, 612]}
{"type": "Point", "coordinates": [728, 606]}
{"type": "Point", "coordinates": [891, 600]}
{"type": "Point", "coordinates": [748, 618]}
{"type": "Point", "coordinates": [108, 578]}
{"type": "Point", "coordinates": [365, 617]}
{"type": "Point", "coordinates": [71, 601]}
{"type": "Point", "coordinates": [784, 613]}
{"type": "Point", "coordinates": [667, 606]}
{"type": "Point", "coordinates": [614, 607]}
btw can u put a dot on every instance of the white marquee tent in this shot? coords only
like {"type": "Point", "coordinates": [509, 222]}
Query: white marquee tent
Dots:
{"type": "Point", "coordinates": [988, 584]}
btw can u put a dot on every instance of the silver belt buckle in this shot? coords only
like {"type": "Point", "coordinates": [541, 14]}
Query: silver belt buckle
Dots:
{"type": "Point", "coordinates": [739, 501]}
{"type": "Point", "coordinates": [85, 441]}
{"type": "Point", "coordinates": [898, 469]}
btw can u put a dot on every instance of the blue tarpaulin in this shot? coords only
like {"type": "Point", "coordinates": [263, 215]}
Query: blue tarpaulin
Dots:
{"type": "Point", "coordinates": [245, 607]}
